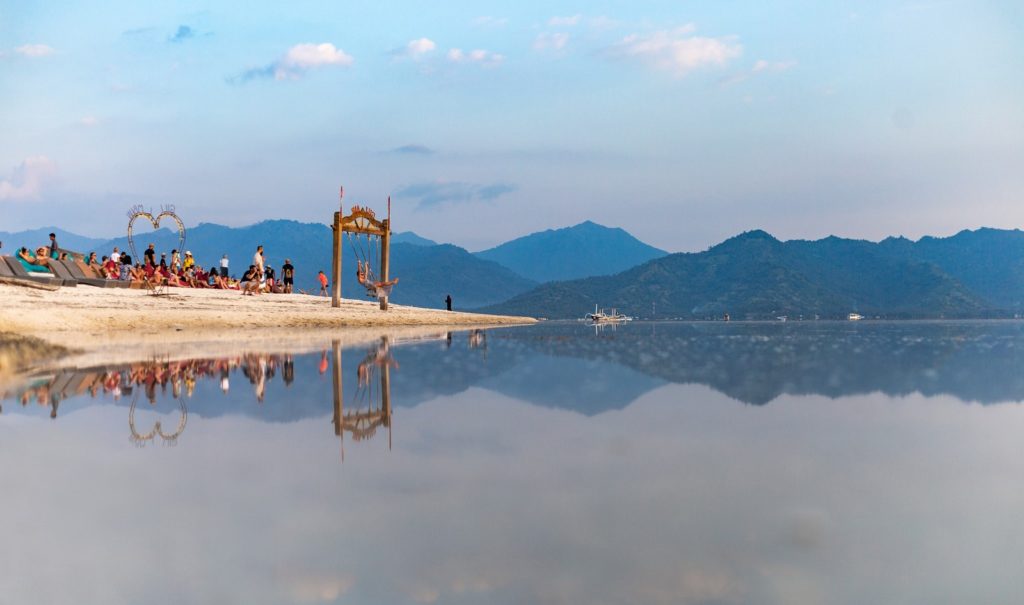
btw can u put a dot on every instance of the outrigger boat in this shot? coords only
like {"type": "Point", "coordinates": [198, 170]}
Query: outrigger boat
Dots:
{"type": "Point", "coordinates": [600, 317]}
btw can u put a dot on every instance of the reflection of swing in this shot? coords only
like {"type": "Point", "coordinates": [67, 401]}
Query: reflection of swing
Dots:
{"type": "Point", "coordinates": [370, 240]}
{"type": "Point", "coordinates": [370, 405]}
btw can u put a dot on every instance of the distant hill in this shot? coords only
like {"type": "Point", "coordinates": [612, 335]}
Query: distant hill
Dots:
{"type": "Point", "coordinates": [756, 276]}
{"type": "Point", "coordinates": [34, 238]}
{"type": "Point", "coordinates": [427, 273]}
{"type": "Point", "coordinates": [408, 237]}
{"type": "Point", "coordinates": [583, 250]}
{"type": "Point", "coordinates": [990, 262]}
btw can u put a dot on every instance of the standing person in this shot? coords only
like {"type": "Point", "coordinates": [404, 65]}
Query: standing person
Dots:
{"type": "Point", "coordinates": [224, 266]}
{"type": "Point", "coordinates": [150, 255]}
{"type": "Point", "coordinates": [54, 248]}
{"type": "Point", "coordinates": [271, 281]}
{"type": "Point", "coordinates": [448, 302]}
{"type": "Point", "coordinates": [288, 276]}
{"type": "Point", "coordinates": [126, 266]}
{"type": "Point", "coordinates": [257, 259]}
{"type": "Point", "coordinates": [116, 256]}
{"type": "Point", "coordinates": [189, 261]}
{"type": "Point", "coordinates": [175, 260]}
{"type": "Point", "coordinates": [323, 283]}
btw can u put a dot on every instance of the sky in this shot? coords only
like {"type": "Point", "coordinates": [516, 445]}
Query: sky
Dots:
{"type": "Point", "coordinates": [683, 122]}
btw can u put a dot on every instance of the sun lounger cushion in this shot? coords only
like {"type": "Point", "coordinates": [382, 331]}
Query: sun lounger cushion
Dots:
{"type": "Point", "coordinates": [32, 268]}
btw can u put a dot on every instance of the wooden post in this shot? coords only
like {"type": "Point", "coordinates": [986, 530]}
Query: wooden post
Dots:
{"type": "Point", "coordinates": [385, 397]}
{"type": "Point", "coordinates": [336, 262]}
{"type": "Point", "coordinates": [385, 259]}
{"type": "Point", "coordinates": [339, 403]}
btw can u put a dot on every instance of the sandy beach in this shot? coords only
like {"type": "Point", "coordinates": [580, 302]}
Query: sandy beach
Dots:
{"type": "Point", "coordinates": [102, 320]}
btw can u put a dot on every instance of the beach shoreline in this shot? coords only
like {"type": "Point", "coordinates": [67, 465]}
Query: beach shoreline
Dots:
{"type": "Point", "coordinates": [92, 320]}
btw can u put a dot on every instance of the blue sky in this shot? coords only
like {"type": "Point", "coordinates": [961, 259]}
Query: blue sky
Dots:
{"type": "Point", "coordinates": [683, 122]}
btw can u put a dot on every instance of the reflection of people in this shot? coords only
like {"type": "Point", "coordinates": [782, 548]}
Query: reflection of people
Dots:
{"type": "Point", "coordinates": [288, 370]}
{"type": "Point", "coordinates": [448, 302]}
{"type": "Point", "coordinates": [323, 362]}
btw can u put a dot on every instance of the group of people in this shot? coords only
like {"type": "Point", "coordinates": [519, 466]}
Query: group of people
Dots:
{"type": "Point", "coordinates": [179, 270]}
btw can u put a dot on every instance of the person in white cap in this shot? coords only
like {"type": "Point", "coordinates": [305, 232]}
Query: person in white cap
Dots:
{"type": "Point", "coordinates": [189, 261]}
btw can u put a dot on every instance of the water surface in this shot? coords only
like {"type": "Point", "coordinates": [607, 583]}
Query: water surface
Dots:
{"type": "Point", "coordinates": [652, 463]}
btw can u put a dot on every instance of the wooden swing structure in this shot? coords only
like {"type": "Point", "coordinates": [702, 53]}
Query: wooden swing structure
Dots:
{"type": "Point", "coordinates": [373, 256]}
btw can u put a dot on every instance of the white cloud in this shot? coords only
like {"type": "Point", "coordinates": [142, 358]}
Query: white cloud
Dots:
{"type": "Point", "coordinates": [415, 49]}
{"type": "Point", "coordinates": [28, 179]}
{"type": "Point", "coordinates": [297, 61]}
{"type": "Point", "coordinates": [565, 21]}
{"type": "Point", "coordinates": [478, 56]}
{"type": "Point", "coordinates": [550, 41]}
{"type": "Point", "coordinates": [35, 50]}
{"type": "Point", "coordinates": [676, 50]}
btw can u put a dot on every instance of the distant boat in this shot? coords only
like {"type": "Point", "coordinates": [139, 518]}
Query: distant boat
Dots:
{"type": "Point", "coordinates": [855, 317]}
{"type": "Point", "coordinates": [782, 318]}
{"type": "Point", "coordinates": [599, 316]}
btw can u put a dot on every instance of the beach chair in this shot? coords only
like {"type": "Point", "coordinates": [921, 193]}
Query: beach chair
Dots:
{"type": "Point", "coordinates": [19, 271]}
{"type": "Point", "coordinates": [92, 273]}
{"type": "Point", "coordinates": [75, 270]}
{"type": "Point", "coordinates": [62, 272]}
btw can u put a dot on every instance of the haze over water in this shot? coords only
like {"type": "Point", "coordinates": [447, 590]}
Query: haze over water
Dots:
{"type": "Point", "coordinates": [652, 463]}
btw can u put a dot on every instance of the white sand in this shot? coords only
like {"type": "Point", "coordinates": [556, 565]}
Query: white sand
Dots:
{"type": "Point", "coordinates": [92, 319]}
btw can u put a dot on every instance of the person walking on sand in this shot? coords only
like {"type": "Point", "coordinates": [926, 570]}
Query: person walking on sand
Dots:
{"type": "Point", "coordinates": [323, 283]}
{"type": "Point", "coordinates": [448, 302]}
{"type": "Point", "coordinates": [224, 266]}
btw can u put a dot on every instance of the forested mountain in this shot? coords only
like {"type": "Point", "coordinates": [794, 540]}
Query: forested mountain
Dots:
{"type": "Point", "coordinates": [583, 250]}
{"type": "Point", "coordinates": [754, 275]}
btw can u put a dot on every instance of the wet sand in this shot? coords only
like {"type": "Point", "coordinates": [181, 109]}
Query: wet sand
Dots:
{"type": "Point", "coordinates": [104, 322]}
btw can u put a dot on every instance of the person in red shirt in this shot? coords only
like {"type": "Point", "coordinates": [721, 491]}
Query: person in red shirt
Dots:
{"type": "Point", "coordinates": [323, 283]}
{"type": "Point", "coordinates": [111, 270]}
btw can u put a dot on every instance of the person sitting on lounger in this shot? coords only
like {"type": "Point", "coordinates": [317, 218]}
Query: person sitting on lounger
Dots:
{"type": "Point", "coordinates": [111, 270]}
{"type": "Point", "coordinates": [34, 262]}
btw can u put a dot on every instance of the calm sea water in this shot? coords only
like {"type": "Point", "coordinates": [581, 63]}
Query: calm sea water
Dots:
{"type": "Point", "coordinates": [791, 463]}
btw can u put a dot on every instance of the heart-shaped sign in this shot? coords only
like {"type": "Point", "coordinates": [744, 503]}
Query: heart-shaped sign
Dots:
{"type": "Point", "coordinates": [140, 439]}
{"type": "Point", "coordinates": [138, 212]}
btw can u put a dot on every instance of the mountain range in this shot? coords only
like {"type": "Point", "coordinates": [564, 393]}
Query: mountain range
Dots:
{"type": "Point", "coordinates": [563, 273]}
{"type": "Point", "coordinates": [756, 276]}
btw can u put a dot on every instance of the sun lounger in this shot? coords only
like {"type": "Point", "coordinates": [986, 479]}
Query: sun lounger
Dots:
{"type": "Point", "coordinates": [76, 272]}
{"type": "Point", "coordinates": [61, 382]}
{"type": "Point", "coordinates": [62, 272]}
{"type": "Point", "coordinates": [93, 274]}
{"type": "Point", "coordinates": [19, 271]}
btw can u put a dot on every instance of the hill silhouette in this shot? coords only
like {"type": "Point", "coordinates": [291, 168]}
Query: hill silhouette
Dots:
{"type": "Point", "coordinates": [583, 250]}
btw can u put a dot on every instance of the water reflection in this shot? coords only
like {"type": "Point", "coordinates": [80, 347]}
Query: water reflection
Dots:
{"type": "Point", "coordinates": [538, 465]}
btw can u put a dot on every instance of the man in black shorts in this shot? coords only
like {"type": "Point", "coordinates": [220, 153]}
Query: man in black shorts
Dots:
{"type": "Point", "coordinates": [287, 276]}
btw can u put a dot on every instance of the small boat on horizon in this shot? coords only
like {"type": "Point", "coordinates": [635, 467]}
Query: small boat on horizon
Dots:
{"type": "Point", "coordinates": [854, 317]}
{"type": "Point", "coordinates": [599, 316]}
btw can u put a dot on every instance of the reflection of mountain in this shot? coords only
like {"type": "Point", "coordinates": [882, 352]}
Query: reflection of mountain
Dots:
{"type": "Point", "coordinates": [567, 366]}
{"type": "Point", "coordinates": [757, 362]}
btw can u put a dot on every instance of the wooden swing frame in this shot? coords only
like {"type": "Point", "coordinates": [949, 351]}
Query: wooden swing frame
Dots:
{"type": "Point", "coordinates": [360, 220]}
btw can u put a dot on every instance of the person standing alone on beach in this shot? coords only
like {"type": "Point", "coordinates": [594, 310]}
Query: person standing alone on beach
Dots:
{"type": "Point", "coordinates": [224, 266]}
{"type": "Point", "coordinates": [448, 302]}
{"type": "Point", "coordinates": [288, 276]}
{"type": "Point", "coordinates": [323, 283]}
